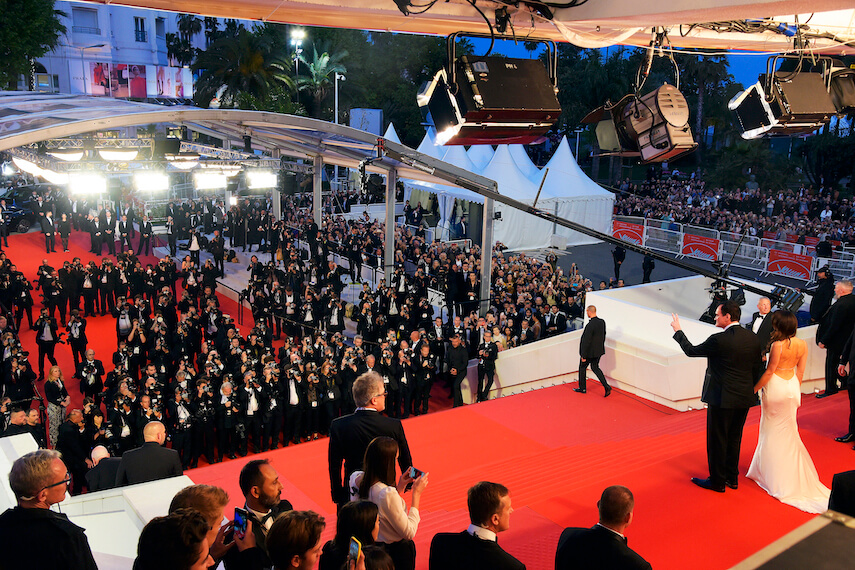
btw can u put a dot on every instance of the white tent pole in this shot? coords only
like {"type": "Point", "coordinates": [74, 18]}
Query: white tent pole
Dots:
{"type": "Point", "coordinates": [486, 256]}
{"type": "Point", "coordinates": [389, 245]}
{"type": "Point", "coordinates": [317, 187]}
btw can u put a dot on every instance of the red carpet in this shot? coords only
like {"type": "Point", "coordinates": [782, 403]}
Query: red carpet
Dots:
{"type": "Point", "coordinates": [556, 450]}
{"type": "Point", "coordinates": [27, 251]}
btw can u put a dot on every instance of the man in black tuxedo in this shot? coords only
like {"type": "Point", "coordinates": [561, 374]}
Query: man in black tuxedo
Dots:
{"type": "Point", "coordinates": [49, 231]}
{"type": "Point", "coordinates": [823, 294]}
{"type": "Point", "coordinates": [125, 228]}
{"type": "Point", "coordinates": [842, 497]}
{"type": "Point", "coordinates": [733, 367]}
{"type": "Point", "coordinates": [151, 461]}
{"type": "Point", "coordinates": [351, 434]}
{"type": "Point", "coordinates": [591, 348]}
{"type": "Point", "coordinates": [102, 476]}
{"type": "Point", "coordinates": [146, 231]}
{"type": "Point", "coordinates": [834, 328]}
{"type": "Point", "coordinates": [108, 231]}
{"type": "Point", "coordinates": [761, 323]}
{"type": "Point", "coordinates": [555, 322]}
{"type": "Point", "coordinates": [477, 547]}
{"type": "Point", "coordinates": [260, 485]}
{"type": "Point", "coordinates": [602, 547]}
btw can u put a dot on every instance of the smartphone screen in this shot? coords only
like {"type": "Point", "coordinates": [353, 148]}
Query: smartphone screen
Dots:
{"type": "Point", "coordinates": [355, 548]}
{"type": "Point", "coordinates": [241, 521]}
{"type": "Point", "coordinates": [415, 473]}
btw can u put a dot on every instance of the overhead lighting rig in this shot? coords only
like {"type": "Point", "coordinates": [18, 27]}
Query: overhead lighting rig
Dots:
{"type": "Point", "coordinates": [491, 100]}
{"type": "Point", "coordinates": [797, 97]}
{"type": "Point", "coordinates": [653, 127]}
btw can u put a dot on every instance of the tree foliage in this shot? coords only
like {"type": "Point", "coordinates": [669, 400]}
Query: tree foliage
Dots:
{"type": "Point", "coordinates": [247, 64]}
{"type": "Point", "coordinates": [735, 164]}
{"type": "Point", "coordinates": [827, 157]}
{"type": "Point", "coordinates": [28, 30]}
{"type": "Point", "coordinates": [320, 77]}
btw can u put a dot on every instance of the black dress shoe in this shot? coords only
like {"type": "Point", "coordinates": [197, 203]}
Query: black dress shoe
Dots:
{"type": "Point", "coordinates": [232, 456]}
{"type": "Point", "coordinates": [580, 390]}
{"type": "Point", "coordinates": [732, 484]}
{"type": "Point", "coordinates": [707, 484]}
{"type": "Point", "coordinates": [825, 394]}
{"type": "Point", "coordinates": [848, 438]}
{"type": "Point", "coordinates": [608, 391]}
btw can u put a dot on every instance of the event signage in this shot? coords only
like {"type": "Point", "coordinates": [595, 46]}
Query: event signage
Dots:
{"type": "Point", "coordinates": [789, 264]}
{"type": "Point", "coordinates": [633, 233]}
{"type": "Point", "coordinates": [700, 247]}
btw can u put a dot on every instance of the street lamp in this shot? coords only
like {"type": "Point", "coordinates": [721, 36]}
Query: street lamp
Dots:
{"type": "Point", "coordinates": [338, 77]}
{"type": "Point", "coordinates": [578, 132]}
{"type": "Point", "coordinates": [297, 37]}
{"type": "Point", "coordinates": [82, 64]}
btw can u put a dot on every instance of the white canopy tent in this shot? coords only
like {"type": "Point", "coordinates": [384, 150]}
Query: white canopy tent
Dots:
{"type": "Point", "coordinates": [480, 155]}
{"type": "Point", "coordinates": [524, 163]}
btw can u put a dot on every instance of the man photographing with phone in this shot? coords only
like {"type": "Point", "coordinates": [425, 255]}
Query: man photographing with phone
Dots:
{"type": "Point", "coordinates": [260, 485]}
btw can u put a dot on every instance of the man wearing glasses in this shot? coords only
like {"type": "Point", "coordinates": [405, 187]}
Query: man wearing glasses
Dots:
{"type": "Point", "coordinates": [351, 434]}
{"type": "Point", "coordinates": [36, 536]}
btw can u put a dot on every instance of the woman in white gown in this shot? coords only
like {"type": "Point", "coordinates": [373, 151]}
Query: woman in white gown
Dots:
{"type": "Point", "coordinates": [781, 463]}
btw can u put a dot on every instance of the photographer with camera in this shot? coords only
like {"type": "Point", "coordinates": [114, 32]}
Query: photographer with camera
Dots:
{"type": "Point", "coordinates": [180, 419]}
{"type": "Point", "coordinates": [89, 372]}
{"type": "Point", "coordinates": [250, 400]}
{"type": "Point", "coordinates": [204, 412]}
{"type": "Point", "coordinates": [294, 398]}
{"type": "Point", "coordinates": [22, 302]}
{"type": "Point", "coordinates": [77, 340]}
{"type": "Point", "coordinates": [228, 418]}
{"type": "Point", "coordinates": [389, 370]}
{"type": "Point", "coordinates": [18, 384]}
{"type": "Point", "coordinates": [487, 354]}
{"type": "Point", "coordinates": [47, 335]}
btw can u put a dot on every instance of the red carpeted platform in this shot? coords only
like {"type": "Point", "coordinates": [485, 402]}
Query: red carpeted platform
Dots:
{"type": "Point", "coordinates": [556, 450]}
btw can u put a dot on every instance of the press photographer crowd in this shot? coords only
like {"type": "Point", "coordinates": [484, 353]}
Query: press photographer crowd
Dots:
{"type": "Point", "coordinates": [181, 361]}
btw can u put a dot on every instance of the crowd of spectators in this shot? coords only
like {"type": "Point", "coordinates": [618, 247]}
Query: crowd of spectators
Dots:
{"type": "Point", "coordinates": [803, 212]}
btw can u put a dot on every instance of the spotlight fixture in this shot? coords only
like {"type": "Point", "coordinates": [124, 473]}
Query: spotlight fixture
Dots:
{"type": "Point", "coordinates": [67, 154]}
{"type": "Point", "coordinates": [258, 179]}
{"type": "Point", "coordinates": [210, 180]}
{"type": "Point", "coordinates": [183, 161]}
{"type": "Point", "coordinates": [491, 100]}
{"type": "Point", "coordinates": [118, 154]}
{"type": "Point", "coordinates": [793, 100]}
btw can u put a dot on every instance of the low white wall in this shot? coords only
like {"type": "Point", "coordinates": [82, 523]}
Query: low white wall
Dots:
{"type": "Point", "coordinates": [641, 355]}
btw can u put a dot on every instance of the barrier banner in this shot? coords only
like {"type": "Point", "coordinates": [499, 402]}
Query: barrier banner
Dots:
{"type": "Point", "coordinates": [633, 233]}
{"type": "Point", "coordinates": [700, 247]}
{"type": "Point", "coordinates": [789, 264]}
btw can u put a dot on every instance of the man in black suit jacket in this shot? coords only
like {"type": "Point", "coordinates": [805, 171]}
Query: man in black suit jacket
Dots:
{"type": "Point", "coordinates": [102, 476]}
{"type": "Point", "coordinates": [761, 324]}
{"type": "Point", "coordinates": [602, 547]}
{"type": "Point", "coordinates": [833, 330]}
{"type": "Point", "coordinates": [842, 497]}
{"type": "Point", "coordinates": [260, 485]}
{"type": "Point", "coordinates": [477, 547]}
{"type": "Point", "coordinates": [151, 461]}
{"type": "Point", "coordinates": [351, 434]}
{"type": "Point", "coordinates": [592, 347]}
{"type": "Point", "coordinates": [733, 367]}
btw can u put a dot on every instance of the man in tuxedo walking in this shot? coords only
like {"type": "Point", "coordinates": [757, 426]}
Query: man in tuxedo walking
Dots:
{"type": "Point", "coordinates": [592, 347]}
{"type": "Point", "coordinates": [834, 328]}
{"type": "Point", "coordinates": [604, 545]}
{"type": "Point", "coordinates": [351, 434]}
{"type": "Point", "coordinates": [733, 367]}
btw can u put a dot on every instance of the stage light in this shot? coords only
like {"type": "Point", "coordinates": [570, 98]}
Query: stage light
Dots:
{"type": "Point", "coordinates": [118, 155]}
{"type": "Point", "coordinates": [752, 112]}
{"type": "Point", "coordinates": [67, 154]}
{"type": "Point", "coordinates": [87, 183]}
{"type": "Point", "coordinates": [654, 128]}
{"type": "Point", "coordinates": [210, 180]}
{"type": "Point", "coordinates": [54, 177]}
{"type": "Point", "coordinates": [233, 200]}
{"type": "Point", "coordinates": [491, 100]}
{"type": "Point", "coordinates": [8, 169]}
{"type": "Point", "coordinates": [258, 179]}
{"type": "Point", "coordinates": [27, 166]}
{"type": "Point", "coordinates": [186, 161]}
{"type": "Point", "coordinates": [151, 181]}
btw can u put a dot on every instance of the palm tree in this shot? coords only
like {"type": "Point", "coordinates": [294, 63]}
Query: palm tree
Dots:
{"type": "Point", "coordinates": [245, 64]}
{"type": "Point", "coordinates": [320, 77]}
{"type": "Point", "coordinates": [180, 46]}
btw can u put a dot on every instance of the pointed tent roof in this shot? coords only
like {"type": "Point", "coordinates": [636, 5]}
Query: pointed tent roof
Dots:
{"type": "Point", "coordinates": [512, 182]}
{"type": "Point", "coordinates": [480, 155]}
{"type": "Point", "coordinates": [391, 134]}
{"type": "Point", "coordinates": [456, 155]}
{"type": "Point", "coordinates": [524, 163]}
{"type": "Point", "coordinates": [428, 145]}
{"type": "Point", "coordinates": [565, 179]}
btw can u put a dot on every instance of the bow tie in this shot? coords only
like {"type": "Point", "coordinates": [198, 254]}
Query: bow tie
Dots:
{"type": "Point", "coordinates": [266, 518]}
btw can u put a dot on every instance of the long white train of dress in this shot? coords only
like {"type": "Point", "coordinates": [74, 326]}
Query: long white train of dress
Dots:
{"type": "Point", "coordinates": [782, 465]}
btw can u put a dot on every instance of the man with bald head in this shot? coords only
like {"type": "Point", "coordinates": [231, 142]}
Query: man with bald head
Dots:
{"type": "Point", "coordinates": [151, 461]}
{"type": "Point", "coordinates": [833, 331]}
{"type": "Point", "coordinates": [102, 476]}
{"type": "Point", "coordinates": [761, 323]}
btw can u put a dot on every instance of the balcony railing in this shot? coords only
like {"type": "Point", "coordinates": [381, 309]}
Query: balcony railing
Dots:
{"type": "Point", "coordinates": [85, 30]}
{"type": "Point", "coordinates": [141, 35]}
